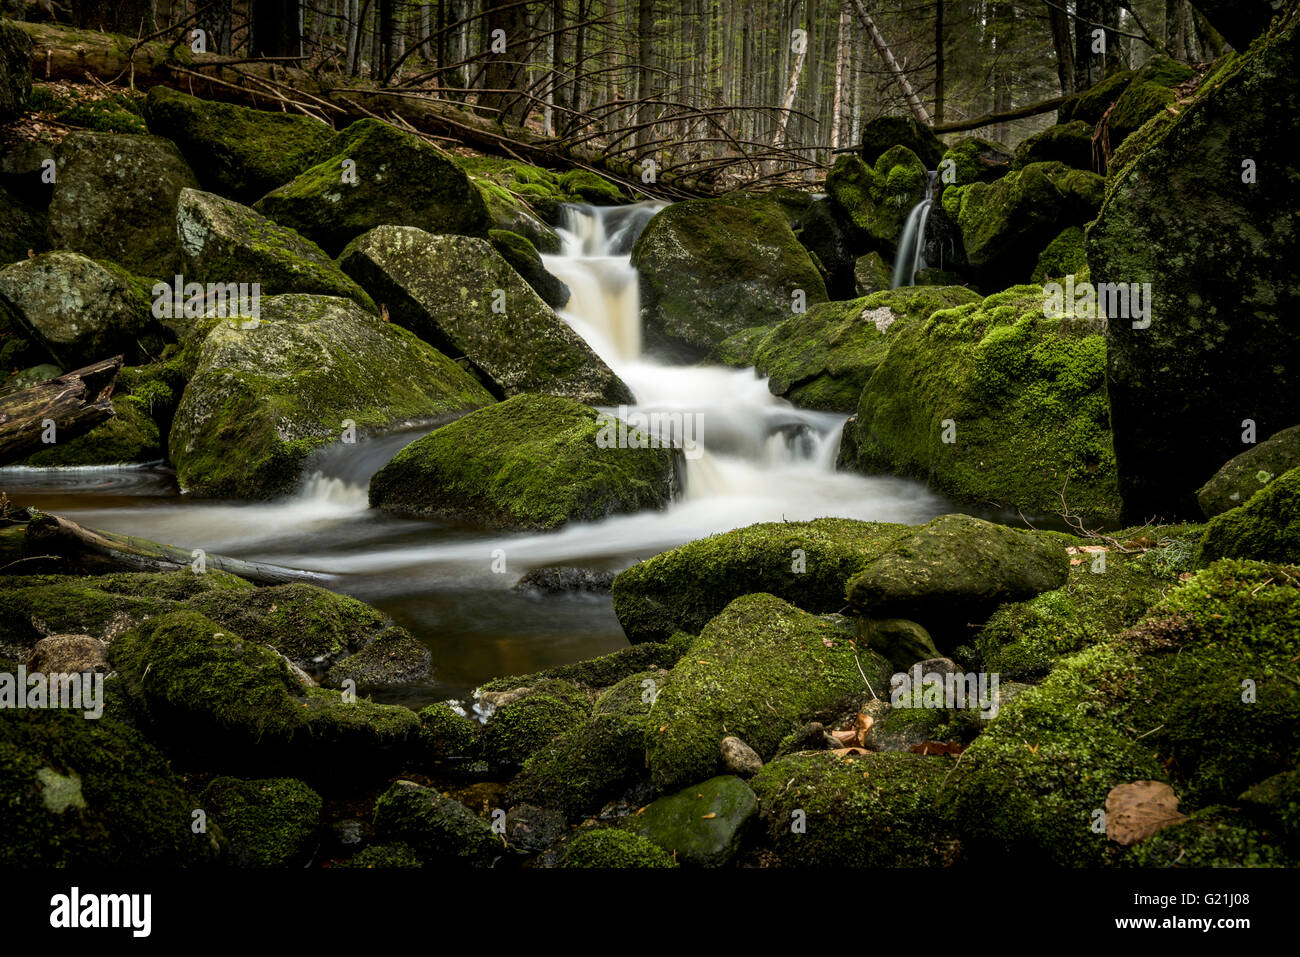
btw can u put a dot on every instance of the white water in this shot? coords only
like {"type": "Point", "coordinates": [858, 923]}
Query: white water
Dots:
{"type": "Point", "coordinates": [911, 244]}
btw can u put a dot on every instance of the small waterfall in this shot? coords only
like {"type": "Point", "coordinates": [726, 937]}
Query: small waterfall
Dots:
{"type": "Point", "coordinates": [911, 245]}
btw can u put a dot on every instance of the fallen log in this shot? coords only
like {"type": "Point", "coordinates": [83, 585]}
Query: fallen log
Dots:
{"type": "Point", "coordinates": [74, 402]}
{"type": "Point", "coordinates": [988, 119]}
{"type": "Point", "coordinates": [57, 543]}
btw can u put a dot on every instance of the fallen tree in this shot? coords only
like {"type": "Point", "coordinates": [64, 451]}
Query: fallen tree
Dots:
{"type": "Point", "coordinates": [72, 404]}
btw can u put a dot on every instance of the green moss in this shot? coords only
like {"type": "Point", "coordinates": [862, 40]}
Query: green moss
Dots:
{"type": "Point", "coordinates": [1212, 837]}
{"type": "Point", "coordinates": [1245, 474]}
{"type": "Point", "coordinates": [517, 730]}
{"type": "Point", "coordinates": [532, 461]}
{"type": "Point", "coordinates": [112, 112]}
{"type": "Point", "coordinates": [1061, 257]}
{"type": "Point", "coordinates": [613, 848]}
{"type": "Point", "coordinates": [130, 436]}
{"type": "Point", "coordinates": [1027, 397]}
{"type": "Point", "coordinates": [635, 694]}
{"type": "Point", "coordinates": [599, 672]}
{"type": "Point", "coordinates": [759, 670]}
{"type": "Point", "coordinates": [875, 810]}
{"type": "Point", "coordinates": [974, 159]}
{"type": "Point", "coordinates": [383, 857]}
{"type": "Point", "coordinates": [439, 829]}
{"type": "Point", "coordinates": [806, 563]}
{"type": "Point", "coordinates": [592, 188]}
{"type": "Point", "coordinates": [447, 735]}
{"type": "Point", "coordinates": [1266, 527]}
{"type": "Point", "coordinates": [1089, 105]}
{"type": "Point", "coordinates": [269, 823]}
{"type": "Point", "coordinates": [523, 257]}
{"type": "Point", "coordinates": [1069, 143]}
{"type": "Point", "coordinates": [586, 766]}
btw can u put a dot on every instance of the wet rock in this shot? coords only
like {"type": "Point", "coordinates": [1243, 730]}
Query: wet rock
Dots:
{"type": "Point", "coordinates": [271, 822]}
{"type": "Point", "coordinates": [532, 461]}
{"type": "Point", "coordinates": [740, 759]}
{"type": "Point", "coordinates": [376, 175]}
{"type": "Point", "coordinates": [393, 658]}
{"type": "Point", "coordinates": [565, 579]}
{"type": "Point", "coordinates": [704, 824]}
{"type": "Point", "coordinates": [533, 829]}
{"type": "Point", "coordinates": [1245, 474]}
{"type": "Point", "coordinates": [522, 255]}
{"type": "Point", "coordinates": [610, 848]}
{"type": "Point", "coordinates": [234, 150]}
{"type": "Point", "coordinates": [1266, 527]}
{"type": "Point", "coordinates": [439, 829]}
{"type": "Point", "coordinates": [80, 310]}
{"type": "Point", "coordinates": [878, 198]}
{"type": "Point", "coordinates": [256, 407]}
{"type": "Point", "coordinates": [115, 198]}
{"type": "Point", "coordinates": [459, 294]}
{"type": "Point", "coordinates": [900, 642]}
{"type": "Point", "coordinates": [224, 242]}
{"type": "Point", "coordinates": [66, 654]}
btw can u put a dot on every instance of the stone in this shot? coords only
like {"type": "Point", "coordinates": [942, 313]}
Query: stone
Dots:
{"type": "Point", "coordinates": [740, 759]}
{"type": "Point", "coordinates": [702, 825]}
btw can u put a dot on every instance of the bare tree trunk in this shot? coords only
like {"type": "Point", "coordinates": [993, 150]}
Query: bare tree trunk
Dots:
{"type": "Point", "coordinates": [276, 28]}
{"type": "Point", "coordinates": [841, 64]}
{"type": "Point", "coordinates": [909, 95]}
{"type": "Point", "coordinates": [791, 89]}
{"type": "Point", "coordinates": [938, 61]}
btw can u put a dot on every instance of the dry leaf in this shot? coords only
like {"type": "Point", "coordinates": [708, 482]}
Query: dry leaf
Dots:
{"type": "Point", "coordinates": [847, 738]}
{"type": "Point", "coordinates": [1136, 811]}
{"type": "Point", "coordinates": [938, 747]}
{"type": "Point", "coordinates": [708, 817]}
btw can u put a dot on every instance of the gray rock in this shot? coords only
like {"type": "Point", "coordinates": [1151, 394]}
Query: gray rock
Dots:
{"type": "Point", "coordinates": [68, 654]}
{"type": "Point", "coordinates": [740, 759]}
{"type": "Point", "coordinates": [566, 579]}
{"type": "Point", "coordinates": [1244, 475]}
{"type": "Point", "coordinates": [702, 825]}
{"type": "Point", "coordinates": [15, 70]}
{"type": "Point", "coordinates": [533, 829]}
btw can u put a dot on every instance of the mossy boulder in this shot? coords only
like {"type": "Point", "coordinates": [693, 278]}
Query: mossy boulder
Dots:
{"type": "Point", "coordinates": [15, 71]}
{"type": "Point", "coordinates": [1068, 143]}
{"type": "Point", "coordinates": [80, 310]}
{"type": "Point", "coordinates": [524, 258]}
{"type": "Point", "coordinates": [439, 829]}
{"type": "Point", "coordinates": [519, 197]}
{"type": "Point", "coordinates": [900, 642]}
{"type": "Point", "coordinates": [1266, 527]}
{"type": "Point", "coordinates": [235, 151]}
{"type": "Point", "coordinates": [825, 231]}
{"type": "Point", "coordinates": [384, 857]}
{"type": "Point", "coordinates": [884, 132]}
{"type": "Point", "coordinates": [1216, 836]}
{"type": "Point", "coordinates": [459, 294]}
{"type": "Point", "coordinates": [871, 274]}
{"type": "Point", "coordinates": [994, 403]}
{"type": "Point", "coordinates": [1005, 224]}
{"type": "Point", "coordinates": [872, 810]}
{"type": "Point", "coordinates": [224, 242]}
{"type": "Point", "coordinates": [586, 766]}
{"type": "Point", "coordinates": [1150, 92]}
{"type": "Point", "coordinates": [822, 360]}
{"type": "Point", "coordinates": [712, 267]}
{"type": "Point", "coordinates": [603, 671]}
{"type": "Point", "coordinates": [269, 822]}
{"type": "Point", "coordinates": [759, 670]}
{"type": "Point", "coordinates": [1223, 282]}
{"type": "Point", "coordinates": [79, 793]}
{"type": "Point", "coordinates": [877, 199]}
{"type": "Point", "coordinates": [974, 160]}
{"type": "Point", "coordinates": [1062, 257]}
{"type": "Point", "coordinates": [806, 563]}
{"type": "Point", "coordinates": [375, 175]}
{"type": "Point", "coordinates": [517, 730]}
{"type": "Point", "coordinates": [607, 848]}
{"type": "Point", "coordinates": [1275, 803]}
{"type": "Point", "coordinates": [954, 571]}
{"type": "Point", "coordinates": [115, 199]}
{"type": "Point", "coordinates": [533, 461]}
{"type": "Point", "coordinates": [447, 734]}
{"type": "Point", "coordinates": [265, 393]}
{"type": "Point", "coordinates": [703, 825]}
{"type": "Point", "coordinates": [92, 108]}
{"type": "Point", "coordinates": [1089, 105]}
{"type": "Point", "coordinates": [394, 658]}
{"type": "Point", "coordinates": [1245, 474]}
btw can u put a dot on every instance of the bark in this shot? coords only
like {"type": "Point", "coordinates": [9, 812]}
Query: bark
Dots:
{"type": "Point", "coordinates": [75, 402]}
{"type": "Point", "coordinates": [276, 28]}
{"type": "Point", "coordinates": [988, 119]}
{"type": "Point", "coordinates": [909, 95]}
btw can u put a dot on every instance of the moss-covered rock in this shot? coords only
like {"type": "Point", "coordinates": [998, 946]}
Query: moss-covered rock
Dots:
{"type": "Point", "coordinates": [1266, 527]}
{"type": "Point", "coordinates": [994, 403]}
{"type": "Point", "coordinates": [873, 810]}
{"type": "Point", "coordinates": [604, 671]}
{"type": "Point", "coordinates": [1245, 474]}
{"type": "Point", "coordinates": [954, 571]}
{"type": "Point", "coordinates": [79, 793]}
{"type": "Point", "coordinates": [900, 642]}
{"type": "Point", "coordinates": [703, 825]}
{"type": "Point", "coordinates": [612, 848]}
{"type": "Point", "coordinates": [1223, 283]}
{"type": "Point", "coordinates": [806, 563]}
{"type": "Point", "coordinates": [115, 199]}
{"type": "Point", "coordinates": [586, 766]}
{"type": "Point", "coordinates": [1089, 105]}
{"type": "Point", "coordinates": [759, 670]}
{"type": "Point", "coordinates": [15, 71]}
{"type": "Point", "coordinates": [822, 360]}
{"type": "Point", "coordinates": [1005, 224]}
{"type": "Point", "coordinates": [533, 461]}
{"type": "Point", "coordinates": [635, 694]}
{"type": "Point", "coordinates": [447, 734]}
{"type": "Point", "coordinates": [374, 175]}
{"type": "Point", "coordinates": [224, 242]}
{"type": "Point", "coordinates": [877, 199]}
{"type": "Point", "coordinates": [438, 828]}
{"type": "Point", "coordinates": [130, 436]}
{"type": "Point", "coordinates": [1275, 803]}
{"type": "Point", "coordinates": [1212, 837]}
{"type": "Point", "coordinates": [270, 822]}
{"type": "Point", "coordinates": [384, 857]}
{"type": "Point", "coordinates": [459, 294]}
{"type": "Point", "coordinates": [90, 108]}
{"type": "Point", "coordinates": [1150, 92]}
{"type": "Point", "coordinates": [871, 274]}
{"type": "Point", "coordinates": [236, 151]}
{"type": "Point", "coordinates": [523, 257]}
{"type": "Point", "coordinates": [519, 729]}
{"type": "Point", "coordinates": [1063, 256]}
{"type": "Point", "coordinates": [833, 244]}
{"type": "Point", "coordinates": [884, 132]}
{"type": "Point", "coordinates": [975, 160]}
{"type": "Point", "coordinates": [519, 197]}
{"type": "Point", "coordinates": [710, 268]}
{"type": "Point", "coordinates": [266, 393]}
{"type": "Point", "coordinates": [1068, 143]}
{"type": "Point", "coordinates": [395, 657]}
{"type": "Point", "coordinates": [22, 228]}
{"type": "Point", "coordinates": [80, 310]}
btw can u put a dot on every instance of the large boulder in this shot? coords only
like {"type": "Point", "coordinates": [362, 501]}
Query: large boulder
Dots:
{"type": "Point", "coordinates": [825, 231]}
{"type": "Point", "coordinates": [885, 132]}
{"type": "Point", "coordinates": [1266, 527]}
{"type": "Point", "coordinates": [15, 70]}
{"type": "Point", "coordinates": [524, 258]}
{"type": "Point", "coordinates": [115, 198]}
{"type": "Point", "coordinates": [1150, 92]}
{"type": "Point", "coordinates": [712, 267]}
{"type": "Point", "coordinates": [703, 825]}
{"type": "Point", "coordinates": [234, 150]}
{"type": "Point", "coordinates": [224, 242]}
{"type": "Point", "coordinates": [823, 359]}
{"type": "Point", "coordinates": [80, 310]}
{"type": "Point", "coordinates": [1245, 474]}
{"type": "Point", "coordinates": [1223, 282]}
{"type": "Point", "coordinates": [993, 403]}
{"type": "Point", "coordinates": [458, 293]}
{"type": "Point", "coordinates": [269, 822]}
{"type": "Point", "coordinates": [759, 670]}
{"type": "Point", "coordinates": [533, 461]}
{"type": "Point", "coordinates": [878, 199]}
{"type": "Point", "coordinates": [975, 159]}
{"type": "Point", "coordinates": [439, 829]}
{"type": "Point", "coordinates": [1005, 224]}
{"type": "Point", "coordinates": [265, 393]}
{"type": "Point", "coordinates": [1068, 143]}
{"type": "Point", "coordinates": [806, 563]}
{"type": "Point", "coordinates": [956, 571]}
{"type": "Point", "coordinates": [376, 175]}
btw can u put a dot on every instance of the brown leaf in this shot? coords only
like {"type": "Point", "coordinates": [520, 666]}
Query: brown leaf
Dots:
{"type": "Point", "coordinates": [938, 747]}
{"type": "Point", "coordinates": [708, 817]}
{"type": "Point", "coordinates": [1136, 811]}
{"type": "Point", "coordinates": [847, 738]}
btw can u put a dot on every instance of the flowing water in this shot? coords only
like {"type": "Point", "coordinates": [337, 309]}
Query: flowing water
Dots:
{"type": "Point", "coordinates": [911, 244]}
{"type": "Point", "coordinates": [759, 459]}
